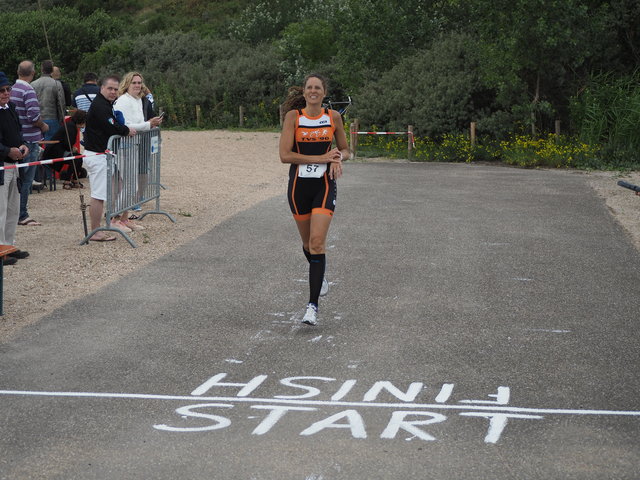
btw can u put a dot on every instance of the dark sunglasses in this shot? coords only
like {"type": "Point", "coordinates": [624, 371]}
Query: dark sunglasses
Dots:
{"type": "Point", "coordinates": [5, 89]}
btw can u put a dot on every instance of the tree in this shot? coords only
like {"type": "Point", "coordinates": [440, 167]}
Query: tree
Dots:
{"type": "Point", "coordinates": [618, 40]}
{"type": "Point", "coordinates": [185, 69]}
{"type": "Point", "coordinates": [535, 44]}
{"type": "Point", "coordinates": [373, 35]}
{"type": "Point", "coordinates": [438, 90]}
{"type": "Point", "coordinates": [69, 35]}
{"type": "Point", "coordinates": [263, 21]}
{"type": "Point", "coordinates": [305, 46]}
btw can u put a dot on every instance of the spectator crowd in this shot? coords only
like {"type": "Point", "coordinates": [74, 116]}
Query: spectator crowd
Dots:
{"type": "Point", "coordinates": [43, 119]}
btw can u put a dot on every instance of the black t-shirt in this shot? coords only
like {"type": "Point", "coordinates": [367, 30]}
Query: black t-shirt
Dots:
{"type": "Point", "coordinates": [65, 134]}
{"type": "Point", "coordinates": [101, 125]}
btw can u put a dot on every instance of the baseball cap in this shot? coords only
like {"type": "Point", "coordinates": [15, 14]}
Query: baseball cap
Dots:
{"type": "Point", "coordinates": [4, 80]}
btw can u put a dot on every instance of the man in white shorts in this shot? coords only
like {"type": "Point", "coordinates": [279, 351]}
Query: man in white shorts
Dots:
{"type": "Point", "coordinates": [101, 124]}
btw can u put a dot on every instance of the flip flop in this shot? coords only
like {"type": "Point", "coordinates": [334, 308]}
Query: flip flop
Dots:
{"type": "Point", "coordinates": [105, 238]}
{"type": "Point", "coordinates": [29, 222]}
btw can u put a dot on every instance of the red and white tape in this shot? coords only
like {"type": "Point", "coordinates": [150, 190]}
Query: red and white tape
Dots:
{"type": "Point", "coordinates": [383, 133]}
{"type": "Point", "coordinates": [409, 134]}
{"type": "Point", "coordinates": [47, 162]}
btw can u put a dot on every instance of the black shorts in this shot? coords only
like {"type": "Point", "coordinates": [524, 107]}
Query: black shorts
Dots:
{"type": "Point", "coordinates": [311, 195]}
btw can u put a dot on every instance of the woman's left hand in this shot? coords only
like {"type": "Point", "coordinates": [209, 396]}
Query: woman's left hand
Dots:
{"type": "Point", "coordinates": [335, 170]}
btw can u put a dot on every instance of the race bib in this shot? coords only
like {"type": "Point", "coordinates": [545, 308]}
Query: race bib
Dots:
{"type": "Point", "coordinates": [312, 170]}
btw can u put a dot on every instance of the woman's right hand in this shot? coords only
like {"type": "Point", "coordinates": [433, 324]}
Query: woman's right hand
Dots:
{"type": "Point", "coordinates": [155, 122]}
{"type": "Point", "coordinates": [333, 156]}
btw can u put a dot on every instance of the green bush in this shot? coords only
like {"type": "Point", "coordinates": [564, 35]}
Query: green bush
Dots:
{"type": "Point", "coordinates": [263, 21]}
{"type": "Point", "coordinates": [608, 113]}
{"type": "Point", "coordinates": [612, 158]}
{"type": "Point", "coordinates": [438, 90]}
{"type": "Point", "coordinates": [520, 150]}
{"type": "Point", "coordinates": [298, 47]}
{"type": "Point", "coordinates": [551, 151]}
{"type": "Point", "coordinates": [453, 148]}
{"type": "Point", "coordinates": [372, 36]}
{"type": "Point", "coordinates": [185, 70]}
{"type": "Point", "coordinates": [373, 146]}
{"type": "Point", "coordinates": [70, 35]}
{"type": "Point", "coordinates": [449, 148]}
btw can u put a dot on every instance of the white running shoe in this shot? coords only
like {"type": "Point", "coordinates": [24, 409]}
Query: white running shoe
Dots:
{"type": "Point", "coordinates": [325, 287]}
{"type": "Point", "coordinates": [311, 316]}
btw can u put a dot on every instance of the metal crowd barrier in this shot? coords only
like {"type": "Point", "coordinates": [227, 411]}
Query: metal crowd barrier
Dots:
{"type": "Point", "coordinates": [133, 178]}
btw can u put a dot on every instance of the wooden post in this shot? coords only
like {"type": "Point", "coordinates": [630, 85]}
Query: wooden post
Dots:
{"type": "Point", "coordinates": [281, 113]}
{"type": "Point", "coordinates": [533, 123]}
{"type": "Point", "coordinates": [351, 135]}
{"type": "Point", "coordinates": [198, 116]}
{"type": "Point", "coordinates": [409, 142]}
{"type": "Point", "coordinates": [472, 133]}
{"type": "Point", "coordinates": [241, 116]}
{"type": "Point", "coordinates": [558, 127]}
{"type": "Point", "coordinates": [354, 138]}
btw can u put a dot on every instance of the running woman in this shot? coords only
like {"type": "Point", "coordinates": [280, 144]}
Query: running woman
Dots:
{"type": "Point", "coordinates": [306, 142]}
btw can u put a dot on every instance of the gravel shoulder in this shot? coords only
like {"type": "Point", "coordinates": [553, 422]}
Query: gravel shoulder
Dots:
{"type": "Point", "coordinates": [210, 176]}
{"type": "Point", "coordinates": [206, 178]}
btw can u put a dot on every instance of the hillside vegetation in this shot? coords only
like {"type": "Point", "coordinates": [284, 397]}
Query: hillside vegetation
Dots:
{"type": "Point", "coordinates": [514, 67]}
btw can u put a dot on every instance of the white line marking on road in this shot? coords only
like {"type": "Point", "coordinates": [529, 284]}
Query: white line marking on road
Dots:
{"type": "Point", "coordinates": [545, 330]}
{"type": "Point", "coordinates": [322, 403]}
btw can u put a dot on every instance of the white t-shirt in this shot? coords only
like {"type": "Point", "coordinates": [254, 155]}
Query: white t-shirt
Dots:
{"type": "Point", "coordinates": [132, 111]}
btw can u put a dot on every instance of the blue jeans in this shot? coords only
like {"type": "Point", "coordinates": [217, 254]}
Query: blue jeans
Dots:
{"type": "Point", "coordinates": [26, 176]}
{"type": "Point", "coordinates": [54, 125]}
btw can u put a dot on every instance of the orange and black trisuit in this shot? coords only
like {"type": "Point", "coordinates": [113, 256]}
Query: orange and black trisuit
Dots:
{"type": "Point", "coordinates": [310, 188]}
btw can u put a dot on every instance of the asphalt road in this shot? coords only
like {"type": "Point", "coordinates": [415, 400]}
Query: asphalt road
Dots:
{"type": "Point", "coordinates": [481, 324]}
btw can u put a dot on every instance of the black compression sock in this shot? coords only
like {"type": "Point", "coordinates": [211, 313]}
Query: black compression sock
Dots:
{"type": "Point", "coordinates": [307, 254]}
{"type": "Point", "coordinates": [316, 274]}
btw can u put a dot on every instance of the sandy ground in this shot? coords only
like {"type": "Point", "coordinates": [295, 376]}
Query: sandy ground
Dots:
{"type": "Point", "coordinates": [206, 178]}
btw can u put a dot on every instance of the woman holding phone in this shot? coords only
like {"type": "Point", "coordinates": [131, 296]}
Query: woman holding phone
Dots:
{"type": "Point", "coordinates": [135, 112]}
{"type": "Point", "coordinates": [306, 142]}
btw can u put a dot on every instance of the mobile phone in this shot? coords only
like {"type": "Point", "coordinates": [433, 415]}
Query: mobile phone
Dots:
{"type": "Point", "coordinates": [161, 115]}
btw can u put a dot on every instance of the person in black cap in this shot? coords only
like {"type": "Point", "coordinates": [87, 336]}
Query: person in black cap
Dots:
{"type": "Point", "coordinates": [12, 150]}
